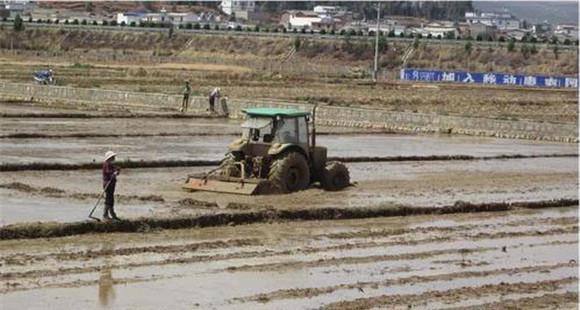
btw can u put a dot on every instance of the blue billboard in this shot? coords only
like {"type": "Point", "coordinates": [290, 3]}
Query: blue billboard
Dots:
{"type": "Point", "coordinates": [489, 78]}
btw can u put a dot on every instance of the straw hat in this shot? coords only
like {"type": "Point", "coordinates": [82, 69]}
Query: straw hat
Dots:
{"type": "Point", "coordinates": [109, 154]}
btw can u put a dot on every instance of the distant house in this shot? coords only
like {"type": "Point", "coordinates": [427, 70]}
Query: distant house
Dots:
{"type": "Point", "coordinates": [161, 17]}
{"type": "Point", "coordinates": [480, 29]}
{"type": "Point", "coordinates": [541, 28]}
{"type": "Point", "coordinates": [384, 27]}
{"type": "Point", "coordinates": [328, 10]}
{"type": "Point", "coordinates": [131, 17]}
{"type": "Point", "coordinates": [502, 21]}
{"type": "Point", "coordinates": [436, 29]}
{"type": "Point", "coordinates": [516, 34]}
{"type": "Point", "coordinates": [566, 32]}
{"type": "Point", "coordinates": [4, 13]}
{"type": "Point", "coordinates": [301, 19]}
{"type": "Point", "coordinates": [11, 8]}
{"type": "Point", "coordinates": [242, 9]}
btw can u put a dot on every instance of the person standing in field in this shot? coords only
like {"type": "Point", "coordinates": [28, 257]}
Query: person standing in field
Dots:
{"type": "Point", "coordinates": [186, 95]}
{"type": "Point", "coordinates": [110, 173]}
{"type": "Point", "coordinates": [214, 96]}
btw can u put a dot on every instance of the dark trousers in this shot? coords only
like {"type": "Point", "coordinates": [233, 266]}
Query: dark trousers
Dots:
{"type": "Point", "coordinates": [212, 103]}
{"type": "Point", "coordinates": [110, 201]}
{"type": "Point", "coordinates": [184, 103]}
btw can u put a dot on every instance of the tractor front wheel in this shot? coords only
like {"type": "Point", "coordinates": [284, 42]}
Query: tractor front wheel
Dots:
{"type": "Point", "coordinates": [290, 173]}
{"type": "Point", "coordinates": [335, 176]}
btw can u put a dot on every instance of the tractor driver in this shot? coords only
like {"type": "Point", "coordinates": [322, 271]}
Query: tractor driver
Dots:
{"type": "Point", "coordinates": [255, 135]}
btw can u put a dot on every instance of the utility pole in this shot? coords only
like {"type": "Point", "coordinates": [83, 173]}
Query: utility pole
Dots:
{"type": "Point", "coordinates": [376, 71]}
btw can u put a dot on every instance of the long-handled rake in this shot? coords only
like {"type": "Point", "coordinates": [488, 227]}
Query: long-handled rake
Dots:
{"type": "Point", "coordinates": [99, 200]}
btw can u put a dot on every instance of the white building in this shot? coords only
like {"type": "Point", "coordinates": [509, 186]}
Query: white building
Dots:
{"type": "Point", "coordinates": [328, 10]}
{"type": "Point", "coordinates": [566, 30]}
{"type": "Point", "coordinates": [502, 21]}
{"type": "Point", "coordinates": [436, 30]}
{"type": "Point", "coordinates": [239, 8]}
{"type": "Point", "coordinates": [17, 7]}
{"type": "Point", "coordinates": [162, 17]}
{"type": "Point", "coordinates": [300, 19]}
{"type": "Point", "coordinates": [563, 32]}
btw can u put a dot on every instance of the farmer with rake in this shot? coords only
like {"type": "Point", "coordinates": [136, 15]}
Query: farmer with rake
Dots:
{"type": "Point", "coordinates": [110, 173]}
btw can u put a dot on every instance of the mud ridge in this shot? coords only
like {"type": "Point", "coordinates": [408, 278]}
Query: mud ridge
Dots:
{"type": "Point", "coordinates": [568, 299]}
{"type": "Point", "coordinates": [316, 291]}
{"type": "Point", "coordinates": [161, 134]}
{"type": "Point", "coordinates": [450, 295]}
{"type": "Point", "coordinates": [176, 248]}
{"type": "Point", "coordinates": [204, 163]}
{"type": "Point", "coordinates": [351, 260]}
{"type": "Point", "coordinates": [59, 193]}
{"type": "Point", "coordinates": [47, 230]}
{"type": "Point", "coordinates": [108, 115]}
{"type": "Point", "coordinates": [97, 135]}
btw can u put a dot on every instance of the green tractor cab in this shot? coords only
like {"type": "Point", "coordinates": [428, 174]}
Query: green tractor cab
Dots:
{"type": "Point", "coordinates": [277, 153]}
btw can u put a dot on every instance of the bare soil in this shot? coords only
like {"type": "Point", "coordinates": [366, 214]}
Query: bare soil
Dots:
{"type": "Point", "coordinates": [333, 73]}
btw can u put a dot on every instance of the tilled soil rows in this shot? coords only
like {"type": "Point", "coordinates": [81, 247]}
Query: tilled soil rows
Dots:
{"type": "Point", "coordinates": [49, 230]}
{"type": "Point", "coordinates": [526, 257]}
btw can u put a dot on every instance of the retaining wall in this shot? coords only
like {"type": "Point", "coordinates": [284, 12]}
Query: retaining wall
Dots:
{"type": "Point", "coordinates": [326, 115]}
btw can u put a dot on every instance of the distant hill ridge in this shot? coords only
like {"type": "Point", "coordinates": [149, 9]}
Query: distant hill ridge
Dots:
{"type": "Point", "coordinates": [555, 12]}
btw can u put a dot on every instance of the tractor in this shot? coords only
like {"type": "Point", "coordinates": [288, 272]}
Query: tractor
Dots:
{"type": "Point", "coordinates": [277, 153]}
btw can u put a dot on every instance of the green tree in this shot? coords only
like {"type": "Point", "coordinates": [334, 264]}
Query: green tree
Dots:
{"type": "Point", "coordinates": [383, 45]}
{"type": "Point", "coordinates": [525, 50]}
{"type": "Point", "coordinates": [297, 43]}
{"type": "Point", "coordinates": [511, 46]}
{"type": "Point", "coordinates": [18, 24]}
{"type": "Point", "coordinates": [468, 47]}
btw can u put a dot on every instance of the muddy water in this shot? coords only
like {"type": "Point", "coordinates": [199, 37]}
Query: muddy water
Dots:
{"type": "Point", "coordinates": [418, 261]}
{"type": "Point", "coordinates": [116, 126]}
{"type": "Point", "coordinates": [47, 209]}
{"type": "Point", "coordinates": [83, 150]}
{"type": "Point", "coordinates": [433, 183]}
{"type": "Point", "coordinates": [65, 127]}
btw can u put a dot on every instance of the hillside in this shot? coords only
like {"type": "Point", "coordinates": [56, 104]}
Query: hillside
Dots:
{"type": "Point", "coordinates": [112, 7]}
{"type": "Point", "coordinates": [556, 12]}
{"type": "Point", "coordinates": [344, 52]}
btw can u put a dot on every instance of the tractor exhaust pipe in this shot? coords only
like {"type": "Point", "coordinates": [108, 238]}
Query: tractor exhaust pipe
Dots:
{"type": "Point", "coordinates": [313, 136]}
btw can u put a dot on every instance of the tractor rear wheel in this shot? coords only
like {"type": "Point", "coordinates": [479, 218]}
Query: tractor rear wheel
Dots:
{"type": "Point", "coordinates": [289, 173]}
{"type": "Point", "coordinates": [335, 176]}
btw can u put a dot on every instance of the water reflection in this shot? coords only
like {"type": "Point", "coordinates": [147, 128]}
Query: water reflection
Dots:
{"type": "Point", "coordinates": [106, 281]}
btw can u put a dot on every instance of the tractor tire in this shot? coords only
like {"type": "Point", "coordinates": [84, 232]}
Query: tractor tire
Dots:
{"type": "Point", "coordinates": [335, 176]}
{"type": "Point", "coordinates": [289, 173]}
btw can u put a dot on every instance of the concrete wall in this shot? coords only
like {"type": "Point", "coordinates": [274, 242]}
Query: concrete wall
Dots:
{"type": "Point", "coordinates": [326, 115]}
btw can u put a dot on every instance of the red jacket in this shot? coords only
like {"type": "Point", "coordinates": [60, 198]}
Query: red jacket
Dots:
{"type": "Point", "coordinates": [109, 173]}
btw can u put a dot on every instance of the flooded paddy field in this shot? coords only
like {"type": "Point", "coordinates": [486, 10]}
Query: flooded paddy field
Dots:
{"type": "Point", "coordinates": [158, 192]}
{"type": "Point", "coordinates": [513, 257]}
{"type": "Point", "coordinates": [83, 150]}
{"type": "Point", "coordinates": [525, 258]}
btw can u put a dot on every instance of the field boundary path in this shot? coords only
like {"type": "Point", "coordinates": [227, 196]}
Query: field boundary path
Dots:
{"type": "Point", "coordinates": [101, 99]}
